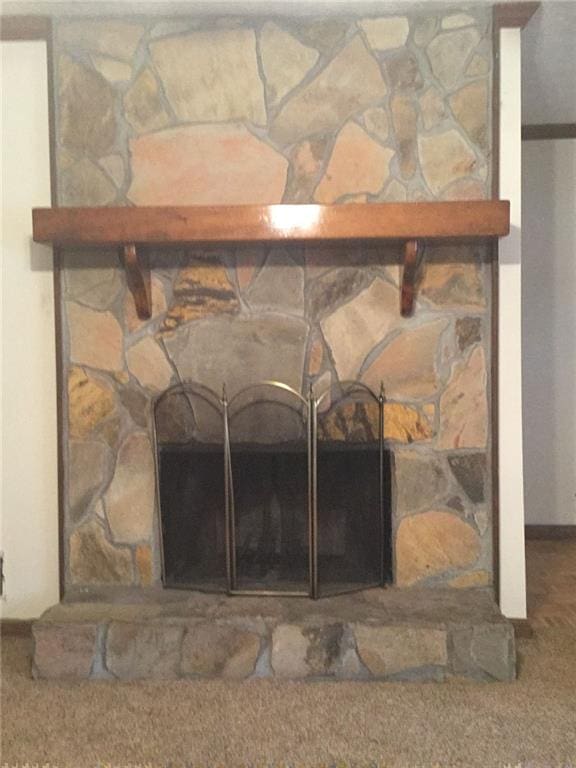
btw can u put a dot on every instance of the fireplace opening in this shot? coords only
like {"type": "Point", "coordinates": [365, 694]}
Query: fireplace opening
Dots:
{"type": "Point", "coordinates": [270, 492]}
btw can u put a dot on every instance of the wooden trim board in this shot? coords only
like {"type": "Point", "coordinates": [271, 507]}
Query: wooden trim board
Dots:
{"type": "Point", "coordinates": [543, 131]}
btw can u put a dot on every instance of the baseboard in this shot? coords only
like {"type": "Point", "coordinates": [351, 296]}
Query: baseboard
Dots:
{"type": "Point", "coordinates": [522, 629]}
{"type": "Point", "coordinates": [16, 627]}
{"type": "Point", "coordinates": [549, 532]}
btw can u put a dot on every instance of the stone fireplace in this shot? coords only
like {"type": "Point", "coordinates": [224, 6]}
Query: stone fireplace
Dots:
{"type": "Point", "coordinates": [199, 111]}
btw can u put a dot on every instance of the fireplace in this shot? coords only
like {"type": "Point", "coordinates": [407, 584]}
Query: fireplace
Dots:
{"type": "Point", "coordinates": [256, 497]}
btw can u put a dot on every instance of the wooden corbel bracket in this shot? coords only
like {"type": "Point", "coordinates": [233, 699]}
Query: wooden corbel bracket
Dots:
{"type": "Point", "coordinates": [413, 251]}
{"type": "Point", "coordinates": [138, 278]}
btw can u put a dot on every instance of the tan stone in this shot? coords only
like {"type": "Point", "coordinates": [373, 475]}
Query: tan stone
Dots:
{"type": "Point", "coordinates": [471, 579]}
{"type": "Point", "coordinates": [143, 106]}
{"type": "Point", "coordinates": [464, 406]}
{"type": "Point", "coordinates": [386, 32]}
{"type": "Point", "coordinates": [350, 83]}
{"type": "Point", "coordinates": [87, 473]}
{"type": "Point", "coordinates": [201, 289]}
{"type": "Point", "coordinates": [432, 108]}
{"type": "Point", "coordinates": [63, 650]}
{"type": "Point", "coordinates": [299, 652]}
{"type": "Point", "coordinates": [393, 650]}
{"type": "Point", "coordinates": [87, 122]}
{"type": "Point", "coordinates": [211, 76]}
{"type": "Point", "coordinates": [157, 307]}
{"type": "Point", "coordinates": [114, 38]}
{"type": "Point", "coordinates": [430, 544]}
{"type": "Point", "coordinates": [478, 66]}
{"type": "Point", "coordinates": [470, 108]}
{"type": "Point", "coordinates": [130, 497]}
{"type": "Point", "coordinates": [205, 165]}
{"type": "Point", "coordinates": [147, 362]}
{"type": "Point", "coordinates": [95, 338]}
{"type": "Point", "coordinates": [465, 189]}
{"type": "Point", "coordinates": [306, 159]}
{"type": "Point", "coordinates": [84, 184]}
{"type": "Point", "coordinates": [285, 61]}
{"type": "Point", "coordinates": [112, 70]}
{"type": "Point", "coordinates": [407, 365]}
{"type": "Point", "coordinates": [405, 119]}
{"type": "Point", "coordinates": [452, 279]}
{"type": "Point", "coordinates": [89, 402]}
{"type": "Point", "coordinates": [448, 54]}
{"type": "Point", "coordinates": [217, 649]}
{"type": "Point", "coordinates": [114, 167]}
{"type": "Point", "coordinates": [445, 157]}
{"type": "Point", "coordinates": [358, 165]}
{"type": "Point", "coordinates": [94, 560]}
{"type": "Point", "coordinates": [357, 326]}
{"type": "Point", "coordinates": [146, 650]}
{"type": "Point", "coordinates": [395, 192]}
{"type": "Point", "coordinates": [376, 123]}
{"type": "Point", "coordinates": [143, 557]}
{"type": "Point", "coordinates": [456, 20]}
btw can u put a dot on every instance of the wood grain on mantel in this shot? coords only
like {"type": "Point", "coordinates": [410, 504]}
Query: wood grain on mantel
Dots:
{"type": "Point", "coordinates": [127, 228]}
{"type": "Point", "coordinates": [229, 223]}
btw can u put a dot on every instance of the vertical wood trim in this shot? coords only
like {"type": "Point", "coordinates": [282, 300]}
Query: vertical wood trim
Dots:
{"type": "Point", "coordinates": [511, 490]}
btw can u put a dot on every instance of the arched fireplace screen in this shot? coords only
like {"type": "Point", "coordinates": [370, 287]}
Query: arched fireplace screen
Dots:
{"type": "Point", "coordinates": [269, 492]}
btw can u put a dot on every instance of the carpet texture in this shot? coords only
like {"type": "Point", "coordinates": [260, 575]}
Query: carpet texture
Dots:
{"type": "Point", "coordinates": [531, 722]}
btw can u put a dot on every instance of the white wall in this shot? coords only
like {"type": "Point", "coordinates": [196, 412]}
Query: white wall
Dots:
{"type": "Point", "coordinates": [549, 330]}
{"type": "Point", "coordinates": [29, 498]}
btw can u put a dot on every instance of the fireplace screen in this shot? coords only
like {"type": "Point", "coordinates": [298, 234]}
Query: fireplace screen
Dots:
{"type": "Point", "coordinates": [273, 493]}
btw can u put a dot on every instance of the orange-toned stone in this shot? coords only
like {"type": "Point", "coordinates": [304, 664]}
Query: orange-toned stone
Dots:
{"type": "Point", "coordinates": [306, 160]}
{"type": "Point", "coordinates": [133, 322]}
{"type": "Point", "coordinates": [432, 543]}
{"type": "Point", "coordinates": [405, 424]}
{"type": "Point", "coordinates": [247, 264]}
{"type": "Point", "coordinates": [205, 165]}
{"type": "Point", "coordinates": [143, 557]}
{"type": "Point", "coordinates": [445, 158]}
{"type": "Point", "coordinates": [201, 289]}
{"type": "Point", "coordinates": [452, 279]}
{"type": "Point", "coordinates": [315, 357]}
{"type": "Point", "coordinates": [358, 164]}
{"type": "Point", "coordinates": [471, 579]}
{"type": "Point", "coordinates": [464, 405]}
{"type": "Point", "coordinates": [360, 422]}
{"type": "Point", "coordinates": [355, 199]}
{"type": "Point", "coordinates": [470, 107]}
{"type": "Point", "coordinates": [90, 401]}
{"type": "Point", "coordinates": [465, 189]}
{"type": "Point", "coordinates": [406, 366]}
{"type": "Point", "coordinates": [94, 560]}
{"type": "Point", "coordinates": [95, 338]}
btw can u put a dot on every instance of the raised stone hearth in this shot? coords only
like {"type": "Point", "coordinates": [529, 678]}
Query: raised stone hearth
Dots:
{"type": "Point", "coordinates": [417, 634]}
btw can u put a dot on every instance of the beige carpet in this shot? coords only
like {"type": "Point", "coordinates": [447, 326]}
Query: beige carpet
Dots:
{"type": "Point", "coordinates": [531, 722]}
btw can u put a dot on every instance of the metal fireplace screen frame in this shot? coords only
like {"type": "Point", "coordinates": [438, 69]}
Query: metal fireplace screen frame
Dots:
{"type": "Point", "coordinates": [311, 405]}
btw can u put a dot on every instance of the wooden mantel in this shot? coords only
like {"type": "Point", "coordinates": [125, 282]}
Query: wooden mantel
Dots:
{"type": "Point", "coordinates": [130, 227]}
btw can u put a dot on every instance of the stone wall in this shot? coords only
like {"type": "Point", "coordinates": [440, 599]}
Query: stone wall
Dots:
{"type": "Point", "coordinates": [189, 111]}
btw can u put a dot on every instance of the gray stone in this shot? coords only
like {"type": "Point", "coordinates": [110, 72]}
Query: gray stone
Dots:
{"type": "Point", "coordinates": [448, 54]}
{"type": "Point", "coordinates": [334, 288]}
{"type": "Point", "coordinates": [110, 37]}
{"type": "Point", "coordinates": [240, 351]}
{"type": "Point", "coordinates": [136, 403]}
{"type": "Point", "coordinates": [84, 184]}
{"type": "Point", "coordinates": [305, 651]}
{"type": "Point", "coordinates": [424, 30]}
{"type": "Point", "coordinates": [87, 123]}
{"type": "Point", "coordinates": [219, 649]}
{"type": "Point", "coordinates": [136, 651]}
{"type": "Point", "coordinates": [492, 648]}
{"type": "Point", "coordinates": [278, 287]}
{"type": "Point", "coordinates": [419, 481]}
{"type": "Point", "coordinates": [323, 34]}
{"type": "Point", "coordinates": [94, 286]}
{"type": "Point", "coordinates": [63, 650]}
{"type": "Point", "coordinates": [403, 72]}
{"type": "Point", "coordinates": [395, 650]}
{"type": "Point", "coordinates": [470, 471]}
{"type": "Point", "coordinates": [87, 473]}
{"type": "Point", "coordinates": [350, 83]}
{"type": "Point", "coordinates": [143, 106]}
{"type": "Point", "coordinates": [211, 76]}
{"type": "Point", "coordinates": [468, 331]}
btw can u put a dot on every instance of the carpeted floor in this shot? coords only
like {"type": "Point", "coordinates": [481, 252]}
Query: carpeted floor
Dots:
{"type": "Point", "coordinates": [531, 722]}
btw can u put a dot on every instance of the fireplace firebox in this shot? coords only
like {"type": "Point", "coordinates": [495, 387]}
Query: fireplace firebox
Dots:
{"type": "Point", "coordinates": [259, 494]}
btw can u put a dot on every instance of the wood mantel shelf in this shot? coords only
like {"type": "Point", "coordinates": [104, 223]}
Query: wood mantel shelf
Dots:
{"type": "Point", "coordinates": [130, 227]}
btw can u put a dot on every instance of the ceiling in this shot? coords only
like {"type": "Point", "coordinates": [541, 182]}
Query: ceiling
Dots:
{"type": "Point", "coordinates": [548, 48]}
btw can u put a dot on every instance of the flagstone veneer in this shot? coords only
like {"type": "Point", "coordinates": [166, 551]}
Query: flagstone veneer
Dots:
{"type": "Point", "coordinates": [258, 110]}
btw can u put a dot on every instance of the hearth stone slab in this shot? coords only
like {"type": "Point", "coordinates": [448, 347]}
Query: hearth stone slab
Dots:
{"type": "Point", "coordinates": [379, 634]}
